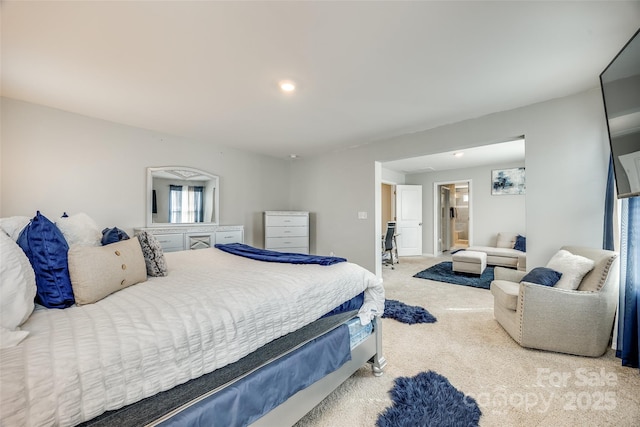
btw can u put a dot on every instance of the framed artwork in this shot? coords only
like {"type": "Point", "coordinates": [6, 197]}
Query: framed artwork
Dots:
{"type": "Point", "coordinates": [507, 181]}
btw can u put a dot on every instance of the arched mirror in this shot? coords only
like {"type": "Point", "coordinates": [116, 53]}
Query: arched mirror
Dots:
{"type": "Point", "coordinates": [178, 195]}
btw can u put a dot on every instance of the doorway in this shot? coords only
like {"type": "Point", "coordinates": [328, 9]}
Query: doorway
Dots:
{"type": "Point", "coordinates": [387, 194]}
{"type": "Point", "coordinates": [402, 204]}
{"type": "Point", "coordinates": [452, 216]}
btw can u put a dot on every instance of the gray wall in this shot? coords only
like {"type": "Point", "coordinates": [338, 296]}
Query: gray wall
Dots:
{"type": "Point", "coordinates": [566, 162]}
{"type": "Point", "coordinates": [54, 161]}
{"type": "Point", "coordinates": [491, 214]}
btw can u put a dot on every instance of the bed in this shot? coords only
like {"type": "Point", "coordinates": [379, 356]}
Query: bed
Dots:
{"type": "Point", "coordinates": [185, 349]}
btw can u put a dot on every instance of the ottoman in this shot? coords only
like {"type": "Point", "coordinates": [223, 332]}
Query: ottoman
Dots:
{"type": "Point", "coordinates": [469, 262]}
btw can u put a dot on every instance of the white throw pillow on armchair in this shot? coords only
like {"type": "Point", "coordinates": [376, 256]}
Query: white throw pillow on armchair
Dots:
{"type": "Point", "coordinates": [573, 268]}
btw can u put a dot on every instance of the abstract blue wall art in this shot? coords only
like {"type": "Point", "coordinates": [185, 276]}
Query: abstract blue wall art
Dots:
{"type": "Point", "coordinates": [507, 181]}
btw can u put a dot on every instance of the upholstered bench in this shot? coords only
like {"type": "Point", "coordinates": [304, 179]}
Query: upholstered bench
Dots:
{"type": "Point", "coordinates": [469, 262]}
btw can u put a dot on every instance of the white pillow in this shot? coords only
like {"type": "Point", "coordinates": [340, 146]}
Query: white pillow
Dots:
{"type": "Point", "coordinates": [17, 284]}
{"type": "Point", "coordinates": [13, 225]}
{"type": "Point", "coordinates": [80, 229]}
{"type": "Point", "coordinates": [573, 268]}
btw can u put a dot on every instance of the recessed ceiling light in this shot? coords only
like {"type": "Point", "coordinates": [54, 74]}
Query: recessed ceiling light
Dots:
{"type": "Point", "coordinates": [287, 86]}
{"type": "Point", "coordinates": [293, 156]}
{"type": "Point", "coordinates": [459, 154]}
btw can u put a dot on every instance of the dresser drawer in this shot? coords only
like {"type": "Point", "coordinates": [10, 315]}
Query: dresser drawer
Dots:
{"type": "Point", "coordinates": [234, 236]}
{"type": "Point", "coordinates": [198, 241]}
{"type": "Point", "coordinates": [286, 231]}
{"type": "Point", "coordinates": [286, 220]}
{"type": "Point", "coordinates": [287, 242]}
{"type": "Point", "coordinates": [304, 250]}
{"type": "Point", "coordinates": [171, 242]}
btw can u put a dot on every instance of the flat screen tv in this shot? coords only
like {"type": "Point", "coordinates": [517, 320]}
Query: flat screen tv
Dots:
{"type": "Point", "coordinates": [620, 83]}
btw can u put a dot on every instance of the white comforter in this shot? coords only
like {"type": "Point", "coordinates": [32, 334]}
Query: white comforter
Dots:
{"type": "Point", "coordinates": [212, 309]}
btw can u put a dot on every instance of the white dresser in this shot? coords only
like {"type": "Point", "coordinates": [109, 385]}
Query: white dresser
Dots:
{"type": "Point", "coordinates": [286, 231]}
{"type": "Point", "coordinates": [195, 237]}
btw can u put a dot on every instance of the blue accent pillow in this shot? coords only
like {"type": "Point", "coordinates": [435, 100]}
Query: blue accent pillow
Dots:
{"type": "Point", "coordinates": [521, 244]}
{"type": "Point", "coordinates": [113, 235]}
{"type": "Point", "coordinates": [542, 276]}
{"type": "Point", "coordinates": [46, 248]}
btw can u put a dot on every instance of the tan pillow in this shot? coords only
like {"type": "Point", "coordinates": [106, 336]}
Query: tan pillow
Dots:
{"type": "Point", "coordinates": [506, 240]}
{"type": "Point", "coordinates": [97, 271]}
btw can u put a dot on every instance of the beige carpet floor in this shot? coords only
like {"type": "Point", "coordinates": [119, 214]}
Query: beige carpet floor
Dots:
{"type": "Point", "coordinates": [513, 386]}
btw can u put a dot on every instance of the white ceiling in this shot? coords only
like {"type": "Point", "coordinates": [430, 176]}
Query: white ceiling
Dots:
{"type": "Point", "coordinates": [493, 154]}
{"type": "Point", "coordinates": [365, 70]}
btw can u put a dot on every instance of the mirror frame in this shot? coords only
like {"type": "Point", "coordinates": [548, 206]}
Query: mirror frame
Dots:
{"type": "Point", "coordinates": [149, 201]}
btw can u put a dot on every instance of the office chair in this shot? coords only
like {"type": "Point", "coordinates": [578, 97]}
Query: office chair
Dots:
{"type": "Point", "coordinates": [390, 244]}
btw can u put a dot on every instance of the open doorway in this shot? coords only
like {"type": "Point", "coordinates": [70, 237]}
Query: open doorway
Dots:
{"type": "Point", "coordinates": [401, 204]}
{"type": "Point", "coordinates": [387, 193]}
{"type": "Point", "coordinates": [467, 165]}
{"type": "Point", "coordinates": [388, 247]}
{"type": "Point", "coordinates": [452, 216]}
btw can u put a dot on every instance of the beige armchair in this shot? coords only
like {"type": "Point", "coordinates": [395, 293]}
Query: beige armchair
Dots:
{"type": "Point", "coordinates": [566, 321]}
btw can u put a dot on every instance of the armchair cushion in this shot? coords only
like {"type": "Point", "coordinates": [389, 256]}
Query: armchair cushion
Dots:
{"type": "Point", "coordinates": [505, 293]}
{"type": "Point", "coordinates": [542, 276]}
{"type": "Point", "coordinates": [509, 274]}
{"type": "Point", "coordinates": [573, 268]}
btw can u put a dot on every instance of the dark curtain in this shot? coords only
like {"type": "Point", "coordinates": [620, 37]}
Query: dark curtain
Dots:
{"type": "Point", "coordinates": [154, 203]}
{"type": "Point", "coordinates": [609, 211]}
{"type": "Point", "coordinates": [628, 331]}
{"type": "Point", "coordinates": [198, 203]}
{"type": "Point", "coordinates": [628, 339]}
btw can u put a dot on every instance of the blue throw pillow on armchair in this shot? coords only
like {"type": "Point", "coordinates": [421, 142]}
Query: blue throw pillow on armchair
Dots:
{"type": "Point", "coordinates": [46, 248]}
{"type": "Point", "coordinates": [542, 276]}
{"type": "Point", "coordinates": [521, 243]}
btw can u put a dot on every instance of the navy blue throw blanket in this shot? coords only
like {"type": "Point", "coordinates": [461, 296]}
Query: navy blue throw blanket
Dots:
{"type": "Point", "coordinates": [273, 256]}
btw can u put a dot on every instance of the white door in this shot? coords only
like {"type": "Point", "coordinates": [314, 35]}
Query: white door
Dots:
{"type": "Point", "coordinates": [409, 219]}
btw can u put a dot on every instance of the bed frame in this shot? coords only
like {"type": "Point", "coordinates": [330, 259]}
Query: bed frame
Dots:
{"type": "Point", "coordinates": [288, 412]}
{"type": "Point", "coordinates": [298, 405]}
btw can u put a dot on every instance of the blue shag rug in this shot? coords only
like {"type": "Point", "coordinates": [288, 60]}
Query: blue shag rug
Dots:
{"type": "Point", "coordinates": [443, 272]}
{"type": "Point", "coordinates": [429, 400]}
{"type": "Point", "coordinates": [404, 313]}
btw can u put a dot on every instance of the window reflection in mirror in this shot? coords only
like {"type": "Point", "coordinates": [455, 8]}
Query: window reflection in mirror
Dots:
{"type": "Point", "coordinates": [181, 195]}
